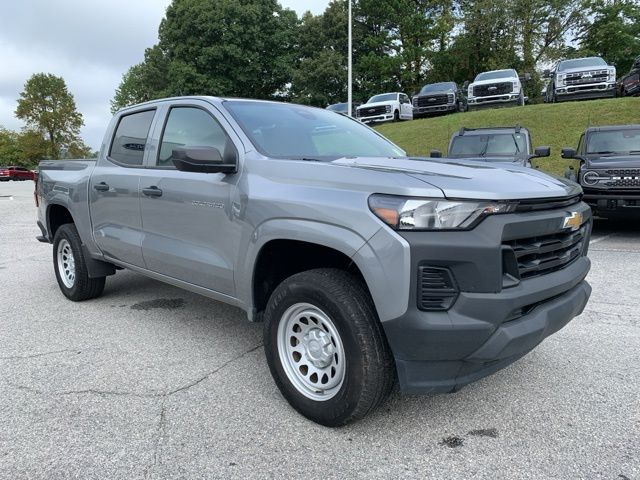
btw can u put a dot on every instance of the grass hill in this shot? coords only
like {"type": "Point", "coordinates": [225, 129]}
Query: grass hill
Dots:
{"type": "Point", "coordinates": [557, 125]}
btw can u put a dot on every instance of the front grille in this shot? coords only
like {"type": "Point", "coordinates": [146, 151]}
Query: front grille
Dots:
{"type": "Point", "coordinates": [437, 290]}
{"type": "Point", "coordinates": [587, 77]}
{"type": "Point", "coordinates": [492, 89]}
{"type": "Point", "coordinates": [434, 100]}
{"type": "Point", "coordinates": [371, 111]}
{"type": "Point", "coordinates": [546, 203]}
{"type": "Point", "coordinates": [547, 253]}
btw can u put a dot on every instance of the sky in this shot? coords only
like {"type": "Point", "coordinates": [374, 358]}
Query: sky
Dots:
{"type": "Point", "coordinates": [90, 43]}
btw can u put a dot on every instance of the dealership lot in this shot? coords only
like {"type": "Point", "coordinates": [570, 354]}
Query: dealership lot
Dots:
{"type": "Point", "coordinates": [150, 381]}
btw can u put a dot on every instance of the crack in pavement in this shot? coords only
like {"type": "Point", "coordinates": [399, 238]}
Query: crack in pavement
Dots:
{"type": "Point", "coordinates": [36, 355]}
{"type": "Point", "coordinates": [165, 394]}
{"type": "Point", "coordinates": [161, 432]}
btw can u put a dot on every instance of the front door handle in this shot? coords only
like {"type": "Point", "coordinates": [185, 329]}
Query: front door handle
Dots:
{"type": "Point", "coordinates": [152, 191]}
{"type": "Point", "coordinates": [101, 187]}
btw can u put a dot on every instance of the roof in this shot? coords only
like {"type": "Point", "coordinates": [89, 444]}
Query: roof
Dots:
{"type": "Point", "coordinates": [486, 130]}
{"type": "Point", "coordinates": [611, 128]}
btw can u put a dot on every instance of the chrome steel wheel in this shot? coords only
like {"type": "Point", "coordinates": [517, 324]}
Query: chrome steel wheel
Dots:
{"type": "Point", "coordinates": [66, 263]}
{"type": "Point", "coordinates": [311, 351]}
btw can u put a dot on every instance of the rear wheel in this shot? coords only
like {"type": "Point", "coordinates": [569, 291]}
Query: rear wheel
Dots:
{"type": "Point", "coordinates": [325, 347]}
{"type": "Point", "coordinates": [69, 265]}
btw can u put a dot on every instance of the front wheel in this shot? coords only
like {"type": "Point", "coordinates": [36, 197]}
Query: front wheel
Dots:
{"type": "Point", "coordinates": [396, 116]}
{"type": "Point", "coordinates": [69, 265]}
{"type": "Point", "coordinates": [325, 347]}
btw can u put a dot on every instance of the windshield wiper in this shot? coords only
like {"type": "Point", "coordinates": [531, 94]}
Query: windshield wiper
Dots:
{"type": "Point", "coordinates": [606, 152]}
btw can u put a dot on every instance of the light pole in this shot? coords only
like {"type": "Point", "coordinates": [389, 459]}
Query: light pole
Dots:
{"type": "Point", "coordinates": [349, 68]}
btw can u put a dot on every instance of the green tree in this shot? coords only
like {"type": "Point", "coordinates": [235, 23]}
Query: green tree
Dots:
{"type": "Point", "coordinates": [145, 81]}
{"type": "Point", "coordinates": [9, 150]}
{"type": "Point", "coordinates": [46, 106]}
{"type": "Point", "coordinates": [613, 32]}
{"type": "Point", "coordinates": [228, 47]}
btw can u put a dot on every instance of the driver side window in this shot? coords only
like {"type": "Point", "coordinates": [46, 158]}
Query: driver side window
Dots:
{"type": "Point", "coordinates": [193, 127]}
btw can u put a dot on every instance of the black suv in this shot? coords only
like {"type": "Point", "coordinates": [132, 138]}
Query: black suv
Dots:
{"type": "Point", "coordinates": [494, 144]}
{"type": "Point", "coordinates": [630, 84]}
{"type": "Point", "coordinates": [609, 170]}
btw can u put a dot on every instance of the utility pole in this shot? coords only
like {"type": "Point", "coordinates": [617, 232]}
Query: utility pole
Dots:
{"type": "Point", "coordinates": [350, 68]}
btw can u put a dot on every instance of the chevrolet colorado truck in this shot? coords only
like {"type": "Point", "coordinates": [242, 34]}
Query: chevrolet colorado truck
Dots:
{"type": "Point", "coordinates": [609, 169]}
{"type": "Point", "coordinates": [581, 78]}
{"type": "Point", "coordinates": [497, 88]}
{"type": "Point", "coordinates": [365, 265]}
{"type": "Point", "coordinates": [510, 145]}
{"type": "Point", "coordinates": [386, 107]}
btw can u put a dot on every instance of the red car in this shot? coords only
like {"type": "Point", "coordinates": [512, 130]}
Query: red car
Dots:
{"type": "Point", "coordinates": [15, 173]}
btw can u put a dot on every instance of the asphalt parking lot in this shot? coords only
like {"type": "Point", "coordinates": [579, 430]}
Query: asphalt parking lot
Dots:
{"type": "Point", "coordinates": [150, 381]}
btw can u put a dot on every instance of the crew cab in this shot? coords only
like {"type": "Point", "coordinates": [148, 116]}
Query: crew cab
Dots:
{"type": "Point", "coordinates": [366, 266]}
{"type": "Point", "coordinates": [386, 107]}
{"type": "Point", "coordinates": [15, 173]}
{"type": "Point", "coordinates": [494, 89]}
{"type": "Point", "coordinates": [494, 144]}
{"type": "Point", "coordinates": [581, 78]}
{"type": "Point", "coordinates": [609, 170]}
{"type": "Point", "coordinates": [630, 83]}
{"type": "Point", "coordinates": [440, 97]}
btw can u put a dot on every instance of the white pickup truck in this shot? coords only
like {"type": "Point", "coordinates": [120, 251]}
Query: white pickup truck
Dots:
{"type": "Point", "coordinates": [385, 107]}
{"type": "Point", "coordinates": [494, 89]}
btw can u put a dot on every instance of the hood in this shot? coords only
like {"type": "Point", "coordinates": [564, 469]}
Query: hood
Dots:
{"type": "Point", "coordinates": [584, 69]}
{"type": "Point", "coordinates": [376, 104]}
{"type": "Point", "coordinates": [437, 92]}
{"type": "Point", "coordinates": [496, 80]}
{"type": "Point", "coordinates": [459, 178]}
{"type": "Point", "coordinates": [617, 161]}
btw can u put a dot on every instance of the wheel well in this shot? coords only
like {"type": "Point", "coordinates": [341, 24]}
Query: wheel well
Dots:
{"type": "Point", "coordinates": [58, 216]}
{"type": "Point", "coordinates": [279, 259]}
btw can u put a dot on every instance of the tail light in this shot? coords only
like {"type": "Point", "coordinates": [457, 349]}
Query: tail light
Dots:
{"type": "Point", "coordinates": [35, 189]}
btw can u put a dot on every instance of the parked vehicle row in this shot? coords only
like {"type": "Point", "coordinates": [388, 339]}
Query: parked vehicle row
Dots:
{"type": "Point", "coordinates": [367, 266]}
{"type": "Point", "coordinates": [571, 79]}
{"type": "Point", "coordinates": [15, 173]}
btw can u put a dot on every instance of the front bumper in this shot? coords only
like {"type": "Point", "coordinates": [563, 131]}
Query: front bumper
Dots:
{"type": "Point", "coordinates": [583, 92]}
{"type": "Point", "coordinates": [491, 324]}
{"type": "Point", "coordinates": [609, 203]}
{"type": "Point", "coordinates": [449, 107]}
{"type": "Point", "coordinates": [377, 118]}
{"type": "Point", "coordinates": [507, 99]}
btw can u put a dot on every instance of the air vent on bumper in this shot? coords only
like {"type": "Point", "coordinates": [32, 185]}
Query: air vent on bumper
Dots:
{"type": "Point", "coordinates": [437, 290]}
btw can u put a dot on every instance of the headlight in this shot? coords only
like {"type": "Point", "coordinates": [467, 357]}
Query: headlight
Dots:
{"type": "Point", "coordinates": [559, 80]}
{"type": "Point", "coordinates": [516, 86]}
{"type": "Point", "coordinates": [591, 178]}
{"type": "Point", "coordinates": [612, 74]}
{"type": "Point", "coordinates": [412, 213]}
{"type": "Point", "coordinates": [388, 108]}
{"type": "Point", "coordinates": [470, 92]}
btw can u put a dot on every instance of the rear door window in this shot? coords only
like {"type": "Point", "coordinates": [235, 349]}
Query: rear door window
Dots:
{"type": "Point", "coordinates": [130, 138]}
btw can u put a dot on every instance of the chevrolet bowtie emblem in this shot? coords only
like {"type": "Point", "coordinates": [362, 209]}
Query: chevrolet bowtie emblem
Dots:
{"type": "Point", "coordinates": [573, 221]}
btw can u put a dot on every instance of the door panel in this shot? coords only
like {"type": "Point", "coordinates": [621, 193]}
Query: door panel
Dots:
{"type": "Point", "coordinates": [114, 190]}
{"type": "Point", "coordinates": [187, 234]}
{"type": "Point", "coordinates": [186, 216]}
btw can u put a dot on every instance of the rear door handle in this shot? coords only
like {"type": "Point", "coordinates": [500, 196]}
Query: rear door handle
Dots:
{"type": "Point", "coordinates": [101, 187]}
{"type": "Point", "coordinates": [152, 191]}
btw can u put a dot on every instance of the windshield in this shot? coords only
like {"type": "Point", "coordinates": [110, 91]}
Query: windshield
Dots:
{"type": "Point", "coordinates": [496, 75]}
{"type": "Point", "coordinates": [498, 145]}
{"type": "Point", "coordinates": [338, 107]}
{"type": "Point", "coordinates": [438, 87]}
{"type": "Point", "coordinates": [614, 142]}
{"type": "Point", "coordinates": [581, 63]}
{"type": "Point", "coordinates": [285, 130]}
{"type": "Point", "coordinates": [385, 97]}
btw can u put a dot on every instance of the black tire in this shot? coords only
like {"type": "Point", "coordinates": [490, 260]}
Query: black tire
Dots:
{"type": "Point", "coordinates": [369, 367]}
{"type": "Point", "coordinates": [396, 116]}
{"type": "Point", "coordinates": [83, 287]}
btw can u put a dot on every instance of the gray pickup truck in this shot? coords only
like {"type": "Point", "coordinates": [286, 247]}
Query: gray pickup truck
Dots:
{"type": "Point", "coordinates": [365, 265]}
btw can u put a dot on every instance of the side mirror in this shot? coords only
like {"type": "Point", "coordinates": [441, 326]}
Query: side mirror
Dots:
{"type": "Point", "coordinates": [546, 73]}
{"type": "Point", "coordinates": [568, 153]}
{"type": "Point", "coordinates": [435, 154]}
{"type": "Point", "coordinates": [201, 159]}
{"type": "Point", "coordinates": [526, 77]}
{"type": "Point", "coordinates": [542, 151]}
